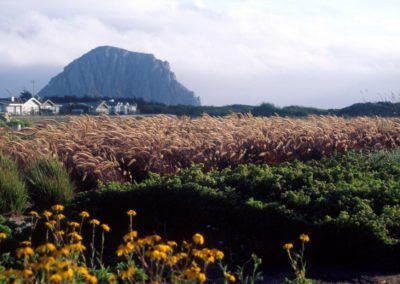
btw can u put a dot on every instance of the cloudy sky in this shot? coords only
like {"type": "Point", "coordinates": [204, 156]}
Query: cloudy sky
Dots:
{"type": "Point", "coordinates": [306, 52]}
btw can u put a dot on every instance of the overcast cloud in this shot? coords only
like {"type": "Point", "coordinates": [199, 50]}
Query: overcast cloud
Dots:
{"type": "Point", "coordinates": [305, 52]}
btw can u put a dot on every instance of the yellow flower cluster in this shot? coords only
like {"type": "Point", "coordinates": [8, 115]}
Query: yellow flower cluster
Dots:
{"type": "Point", "coordinates": [58, 260]}
{"type": "Point", "coordinates": [63, 258]}
{"type": "Point", "coordinates": [185, 263]}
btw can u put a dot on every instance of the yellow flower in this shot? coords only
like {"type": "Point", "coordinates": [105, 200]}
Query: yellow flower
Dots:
{"type": "Point", "coordinates": [219, 255]}
{"type": "Point", "coordinates": [91, 279]}
{"type": "Point", "coordinates": [46, 248]}
{"type": "Point", "coordinates": [25, 243]}
{"type": "Point", "coordinates": [201, 277]}
{"type": "Point", "coordinates": [125, 249]}
{"type": "Point", "coordinates": [131, 212]}
{"type": "Point", "coordinates": [77, 247]}
{"type": "Point", "coordinates": [27, 273]}
{"type": "Point", "coordinates": [172, 244]}
{"type": "Point", "coordinates": [198, 239]}
{"type": "Point", "coordinates": [82, 270]}
{"type": "Point", "coordinates": [230, 277]}
{"type": "Point", "coordinates": [68, 274]}
{"type": "Point", "coordinates": [46, 262]}
{"type": "Point", "coordinates": [57, 207]}
{"type": "Point", "coordinates": [164, 248]}
{"type": "Point", "coordinates": [288, 246]}
{"type": "Point", "coordinates": [128, 273]}
{"type": "Point", "coordinates": [24, 252]}
{"type": "Point", "coordinates": [130, 236]}
{"type": "Point", "coordinates": [112, 279]}
{"type": "Point", "coordinates": [62, 252]}
{"type": "Point", "coordinates": [105, 228]}
{"type": "Point", "coordinates": [74, 224]}
{"type": "Point", "coordinates": [49, 225]}
{"type": "Point", "coordinates": [84, 214]}
{"type": "Point", "coordinates": [3, 236]}
{"type": "Point", "coordinates": [64, 264]}
{"type": "Point", "coordinates": [47, 214]}
{"type": "Point", "coordinates": [305, 238]}
{"type": "Point", "coordinates": [34, 214]}
{"type": "Point", "coordinates": [173, 260]}
{"type": "Point", "coordinates": [94, 222]}
{"type": "Point", "coordinates": [193, 272]}
{"type": "Point", "coordinates": [60, 233]}
{"type": "Point", "coordinates": [55, 278]}
{"type": "Point", "coordinates": [59, 216]}
{"type": "Point", "coordinates": [75, 236]}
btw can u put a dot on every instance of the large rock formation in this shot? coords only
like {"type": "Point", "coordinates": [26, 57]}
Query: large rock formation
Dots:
{"type": "Point", "coordinates": [114, 72]}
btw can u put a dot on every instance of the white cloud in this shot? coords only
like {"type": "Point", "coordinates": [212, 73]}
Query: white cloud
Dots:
{"type": "Point", "coordinates": [265, 46]}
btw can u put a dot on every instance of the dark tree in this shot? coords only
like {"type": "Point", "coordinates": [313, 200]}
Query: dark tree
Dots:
{"type": "Point", "coordinates": [25, 95]}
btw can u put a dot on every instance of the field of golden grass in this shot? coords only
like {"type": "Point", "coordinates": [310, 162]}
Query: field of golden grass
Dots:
{"type": "Point", "coordinates": [121, 148]}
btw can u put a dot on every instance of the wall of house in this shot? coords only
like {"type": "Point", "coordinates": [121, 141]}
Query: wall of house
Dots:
{"type": "Point", "coordinates": [13, 109]}
{"type": "Point", "coordinates": [102, 109]}
{"type": "Point", "coordinates": [54, 109]}
{"type": "Point", "coordinates": [30, 107]}
{"type": "Point", "coordinates": [132, 108]}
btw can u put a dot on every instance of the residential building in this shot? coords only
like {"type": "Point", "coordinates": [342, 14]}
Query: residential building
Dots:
{"type": "Point", "coordinates": [49, 107]}
{"type": "Point", "coordinates": [99, 107]}
{"type": "Point", "coordinates": [18, 106]}
{"type": "Point", "coordinates": [120, 107]}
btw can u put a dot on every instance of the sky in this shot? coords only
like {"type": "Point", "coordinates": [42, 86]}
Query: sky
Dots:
{"type": "Point", "coordinates": [321, 53]}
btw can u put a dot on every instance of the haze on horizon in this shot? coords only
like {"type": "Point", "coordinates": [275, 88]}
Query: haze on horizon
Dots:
{"type": "Point", "coordinates": [287, 52]}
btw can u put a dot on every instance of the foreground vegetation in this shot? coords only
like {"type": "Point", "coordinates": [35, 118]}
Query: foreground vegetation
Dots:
{"type": "Point", "coordinates": [251, 185]}
{"type": "Point", "coordinates": [349, 204]}
{"type": "Point", "coordinates": [61, 255]}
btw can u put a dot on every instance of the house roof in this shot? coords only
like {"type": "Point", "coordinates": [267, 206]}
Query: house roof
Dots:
{"type": "Point", "coordinates": [9, 101]}
{"type": "Point", "coordinates": [49, 102]}
{"type": "Point", "coordinates": [118, 102]}
{"type": "Point", "coordinates": [34, 100]}
{"type": "Point", "coordinates": [88, 104]}
{"type": "Point", "coordinates": [18, 100]}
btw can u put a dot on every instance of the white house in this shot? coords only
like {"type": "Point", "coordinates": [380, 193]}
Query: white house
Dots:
{"type": "Point", "coordinates": [99, 107]}
{"type": "Point", "coordinates": [31, 107]}
{"type": "Point", "coordinates": [132, 108]}
{"type": "Point", "coordinates": [17, 106]}
{"type": "Point", "coordinates": [50, 107]}
{"type": "Point", "coordinates": [121, 107]}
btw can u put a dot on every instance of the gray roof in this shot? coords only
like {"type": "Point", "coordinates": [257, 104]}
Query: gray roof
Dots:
{"type": "Point", "coordinates": [8, 100]}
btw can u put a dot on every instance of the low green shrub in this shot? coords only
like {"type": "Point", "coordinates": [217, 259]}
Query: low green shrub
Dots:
{"type": "Point", "coordinates": [49, 183]}
{"type": "Point", "coordinates": [349, 205]}
{"type": "Point", "coordinates": [13, 193]}
{"type": "Point", "coordinates": [22, 122]}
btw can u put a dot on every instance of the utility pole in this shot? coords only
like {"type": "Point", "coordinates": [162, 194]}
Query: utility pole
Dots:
{"type": "Point", "coordinates": [33, 87]}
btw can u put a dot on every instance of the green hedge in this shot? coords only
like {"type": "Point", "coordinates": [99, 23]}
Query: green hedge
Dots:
{"type": "Point", "coordinates": [349, 205]}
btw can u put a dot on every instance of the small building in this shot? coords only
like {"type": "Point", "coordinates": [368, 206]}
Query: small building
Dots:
{"type": "Point", "coordinates": [49, 107]}
{"type": "Point", "coordinates": [86, 108]}
{"type": "Point", "coordinates": [17, 106]}
{"type": "Point", "coordinates": [119, 107]}
{"type": "Point", "coordinates": [132, 108]}
{"type": "Point", "coordinates": [101, 108]}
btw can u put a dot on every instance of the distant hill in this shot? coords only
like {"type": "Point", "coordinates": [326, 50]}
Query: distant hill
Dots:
{"type": "Point", "coordinates": [370, 109]}
{"type": "Point", "coordinates": [113, 72]}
